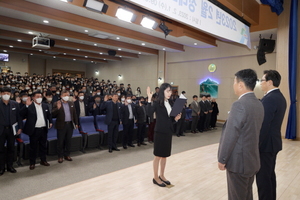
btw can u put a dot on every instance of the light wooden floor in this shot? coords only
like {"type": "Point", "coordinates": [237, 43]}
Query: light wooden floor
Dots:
{"type": "Point", "coordinates": [194, 174]}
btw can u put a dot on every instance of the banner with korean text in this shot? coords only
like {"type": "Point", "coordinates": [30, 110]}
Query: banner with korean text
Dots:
{"type": "Point", "coordinates": [203, 15]}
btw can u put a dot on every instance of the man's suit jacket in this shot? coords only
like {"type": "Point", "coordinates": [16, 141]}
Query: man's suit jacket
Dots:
{"type": "Point", "coordinates": [59, 114]}
{"type": "Point", "coordinates": [77, 107]}
{"type": "Point", "coordinates": [208, 105]}
{"type": "Point", "coordinates": [238, 148]}
{"type": "Point", "coordinates": [164, 123]}
{"type": "Point", "coordinates": [141, 116]}
{"type": "Point", "coordinates": [14, 115]}
{"type": "Point", "coordinates": [31, 117]}
{"type": "Point", "coordinates": [125, 113]}
{"type": "Point", "coordinates": [203, 107]}
{"type": "Point", "coordinates": [108, 106]}
{"type": "Point", "coordinates": [270, 134]}
{"type": "Point", "coordinates": [195, 108]}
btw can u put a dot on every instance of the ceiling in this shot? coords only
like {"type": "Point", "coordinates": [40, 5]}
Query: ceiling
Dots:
{"type": "Point", "coordinates": [76, 32]}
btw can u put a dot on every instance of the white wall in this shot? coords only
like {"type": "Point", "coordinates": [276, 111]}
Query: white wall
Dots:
{"type": "Point", "coordinates": [189, 69]}
{"type": "Point", "coordinates": [18, 62]}
{"type": "Point", "coordinates": [141, 72]}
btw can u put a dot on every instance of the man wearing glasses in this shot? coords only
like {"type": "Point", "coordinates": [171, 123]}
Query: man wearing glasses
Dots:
{"type": "Point", "coordinates": [270, 134]}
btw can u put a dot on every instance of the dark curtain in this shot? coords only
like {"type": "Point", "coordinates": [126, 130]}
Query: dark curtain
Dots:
{"type": "Point", "coordinates": [291, 129]}
{"type": "Point", "coordinates": [276, 5]}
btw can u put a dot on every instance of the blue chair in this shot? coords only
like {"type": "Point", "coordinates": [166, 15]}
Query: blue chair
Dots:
{"type": "Point", "coordinates": [101, 127]}
{"type": "Point", "coordinates": [90, 136]}
{"type": "Point", "coordinates": [76, 144]}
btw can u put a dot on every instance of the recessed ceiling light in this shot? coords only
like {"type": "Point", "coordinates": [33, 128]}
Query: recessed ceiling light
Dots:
{"type": "Point", "coordinates": [31, 54]}
{"type": "Point", "coordinates": [120, 56]}
{"type": "Point", "coordinates": [19, 40]}
{"type": "Point", "coordinates": [30, 32]}
{"type": "Point", "coordinates": [101, 53]}
{"type": "Point", "coordinates": [54, 56]}
{"type": "Point", "coordinates": [140, 53]}
{"type": "Point", "coordinates": [65, 54]}
{"type": "Point", "coordinates": [40, 50]}
{"type": "Point", "coordinates": [4, 50]}
{"type": "Point", "coordinates": [74, 59]}
{"type": "Point", "coordinates": [164, 48]}
{"type": "Point", "coordinates": [119, 49]}
{"type": "Point", "coordinates": [143, 44]}
{"type": "Point", "coordinates": [118, 38]}
{"type": "Point", "coordinates": [46, 21]}
{"type": "Point", "coordinates": [95, 44]}
{"type": "Point", "coordinates": [86, 31]}
{"type": "Point", "coordinates": [66, 39]}
{"type": "Point", "coordinates": [104, 59]}
{"type": "Point", "coordinates": [86, 56]}
{"type": "Point", "coordinates": [11, 46]}
{"type": "Point", "coordinates": [92, 61]}
{"type": "Point", "coordinates": [195, 43]}
{"type": "Point", "coordinates": [78, 49]}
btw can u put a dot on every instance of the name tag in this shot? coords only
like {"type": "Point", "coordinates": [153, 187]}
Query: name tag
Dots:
{"type": "Point", "coordinates": [13, 108]}
{"type": "Point", "coordinates": [46, 110]}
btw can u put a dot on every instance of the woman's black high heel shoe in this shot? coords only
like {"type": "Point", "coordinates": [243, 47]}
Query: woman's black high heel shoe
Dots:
{"type": "Point", "coordinates": [160, 185]}
{"type": "Point", "coordinates": [166, 182]}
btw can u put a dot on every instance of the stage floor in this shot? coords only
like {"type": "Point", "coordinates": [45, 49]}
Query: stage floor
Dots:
{"type": "Point", "coordinates": [193, 173]}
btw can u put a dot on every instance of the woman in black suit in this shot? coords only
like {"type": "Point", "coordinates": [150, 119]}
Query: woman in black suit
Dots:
{"type": "Point", "coordinates": [163, 131]}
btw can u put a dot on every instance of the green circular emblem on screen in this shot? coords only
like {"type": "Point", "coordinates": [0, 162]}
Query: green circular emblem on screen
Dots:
{"type": "Point", "coordinates": [212, 68]}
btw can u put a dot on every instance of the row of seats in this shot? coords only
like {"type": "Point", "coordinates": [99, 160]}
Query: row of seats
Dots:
{"type": "Point", "coordinates": [92, 133]}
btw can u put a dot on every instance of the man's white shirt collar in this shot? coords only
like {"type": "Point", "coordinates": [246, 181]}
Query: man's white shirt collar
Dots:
{"type": "Point", "coordinates": [245, 94]}
{"type": "Point", "coordinates": [271, 90]}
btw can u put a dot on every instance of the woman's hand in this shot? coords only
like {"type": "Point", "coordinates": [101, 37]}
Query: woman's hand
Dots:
{"type": "Point", "coordinates": [149, 93]}
{"type": "Point", "coordinates": [178, 117]}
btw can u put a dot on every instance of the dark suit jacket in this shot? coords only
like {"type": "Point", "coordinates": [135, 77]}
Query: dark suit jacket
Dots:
{"type": "Point", "coordinates": [30, 115]}
{"type": "Point", "coordinates": [270, 134]}
{"type": "Point", "coordinates": [125, 113]}
{"type": "Point", "coordinates": [14, 115]}
{"type": "Point", "coordinates": [59, 114]}
{"type": "Point", "coordinates": [203, 107]}
{"type": "Point", "coordinates": [97, 110]}
{"type": "Point", "coordinates": [141, 116]}
{"type": "Point", "coordinates": [164, 123]}
{"type": "Point", "coordinates": [238, 148]}
{"type": "Point", "coordinates": [108, 106]}
{"type": "Point", "coordinates": [77, 108]}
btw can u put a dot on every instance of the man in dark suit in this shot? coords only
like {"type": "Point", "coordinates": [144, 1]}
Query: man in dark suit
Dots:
{"type": "Point", "coordinates": [209, 109]}
{"type": "Point", "coordinates": [95, 107]}
{"type": "Point", "coordinates": [141, 119]}
{"type": "Point", "coordinates": [38, 119]}
{"type": "Point", "coordinates": [66, 120]}
{"type": "Point", "coordinates": [270, 134]}
{"type": "Point", "coordinates": [203, 113]}
{"type": "Point", "coordinates": [195, 113]}
{"type": "Point", "coordinates": [113, 117]}
{"type": "Point", "coordinates": [10, 116]}
{"type": "Point", "coordinates": [128, 113]}
{"type": "Point", "coordinates": [238, 149]}
{"type": "Point", "coordinates": [81, 106]}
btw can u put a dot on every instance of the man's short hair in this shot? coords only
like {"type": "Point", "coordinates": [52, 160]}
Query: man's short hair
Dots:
{"type": "Point", "coordinates": [274, 76]}
{"type": "Point", "coordinates": [248, 77]}
{"type": "Point", "coordinates": [64, 91]}
{"type": "Point", "coordinates": [36, 92]}
{"type": "Point", "coordinates": [195, 96]}
{"type": "Point", "coordinates": [6, 89]}
{"type": "Point", "coordinates": [80, 92]}
{"type": "Point", "coordinates": [48, 93]}
{"type": "Point", "coordinates": [129, 95]}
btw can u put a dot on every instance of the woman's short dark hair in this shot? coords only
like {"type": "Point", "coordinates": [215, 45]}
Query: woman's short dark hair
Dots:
{"type": "Point", "coordinates": [248, 76]}
{"type": "Point", "coordinates": [161, 93]}
{"type": "Point", "coordinates": [274, 76]}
